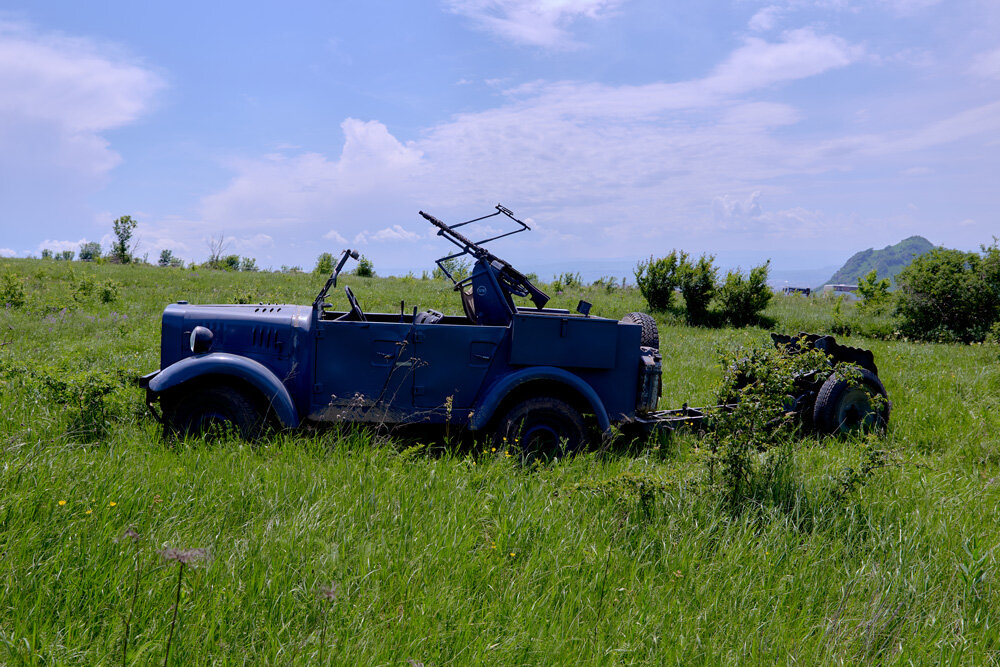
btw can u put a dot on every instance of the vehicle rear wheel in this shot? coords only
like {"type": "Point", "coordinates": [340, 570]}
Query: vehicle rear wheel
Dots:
{"type": "Point", "coordinates": [842, 407]}
{"type": "Point", "coordinates": [215, 411]}
{"type": "Point", "coordinates": [650, 334]}
{"type": "Point", "coordinates": [542, 429]}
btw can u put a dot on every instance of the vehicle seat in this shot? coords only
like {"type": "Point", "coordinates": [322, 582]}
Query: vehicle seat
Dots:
{"type": "Point", "coordinates": [429, 316]}
{"type": "Point", "coordinates": [469, 304]}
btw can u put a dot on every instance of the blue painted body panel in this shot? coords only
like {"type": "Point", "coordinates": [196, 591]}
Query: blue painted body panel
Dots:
{"type": "Point", "coordinates": [317, 365]}
{"type": "Point", "coordinates": [495, 393]}
{"type": "Point", "coordinates": [230, 365]}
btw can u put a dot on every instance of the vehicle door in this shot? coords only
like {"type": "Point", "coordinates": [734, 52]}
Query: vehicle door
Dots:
{"type": "Point", "coordinates": [450, 361]}
{"type": "Point", "coordinates": [363, 371]}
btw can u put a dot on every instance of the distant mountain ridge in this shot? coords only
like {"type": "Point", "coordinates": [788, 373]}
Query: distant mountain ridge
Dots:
{"type": "Point", "coordinates": [888, 261]}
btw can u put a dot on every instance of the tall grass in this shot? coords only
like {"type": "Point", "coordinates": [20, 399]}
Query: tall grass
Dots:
{"type": "Point", "coordinates": [457, 555]}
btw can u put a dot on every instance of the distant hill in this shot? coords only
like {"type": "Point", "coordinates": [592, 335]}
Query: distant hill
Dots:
{"type": "Point", "coordinates": [888, 261]}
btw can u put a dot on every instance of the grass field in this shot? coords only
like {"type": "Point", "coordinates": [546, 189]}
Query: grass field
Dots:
{"type": "Point", "coordinates": [345, 547]}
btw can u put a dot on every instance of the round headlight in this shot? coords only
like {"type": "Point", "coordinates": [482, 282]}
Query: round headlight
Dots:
{"type": "Point", "coordinates": [201, 339]}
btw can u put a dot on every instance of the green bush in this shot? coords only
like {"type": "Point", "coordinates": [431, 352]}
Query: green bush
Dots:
{"type": "Point", "coordinates": [751, 443]}
{"type": "Point", "coordinates": [458, 269]}
{"type": "Point", "coordinates": [874, 293]}
{"type": "Point", "coordinates": [324, 265]}
{"type": "Point", "coordinates": [88, 398]}
{"type": "Point", "coordinates": [609, 283]}
{"type": "Point", "coordinates": [950, 295]}
{"type": "Point", "coordinates": [570, 279]}
{"type": "Point", "coordinates": [658, 279]}
{"type": "Point", "coordinates": [741, 298]}
{"type": "Point", "coordinates": [107, 291]}
{"type": "Point", "coordinates": [365, 268]}
{"type": "Point", "coordinates": [12, 290]}
{"type": "Point", "coordinates": [90, 251]}
{"type": "Point", "coordinates": [697, 283]}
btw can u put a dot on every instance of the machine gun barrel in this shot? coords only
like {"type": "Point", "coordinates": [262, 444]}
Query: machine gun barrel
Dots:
{"type": "Point", "coordinates": [476, 250]}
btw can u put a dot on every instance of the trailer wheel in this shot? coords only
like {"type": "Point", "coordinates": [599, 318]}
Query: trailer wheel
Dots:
{"type": "Point", "coordinates": [650, 334]}
{"type": "Point", "coordinates": [841, 407]}
{"type": "Point", "coordinates": [216, 411]}
{"type": "Point", "coordinates": [542, 429]}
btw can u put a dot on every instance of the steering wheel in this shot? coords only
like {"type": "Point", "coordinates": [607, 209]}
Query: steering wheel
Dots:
{"type": "Point", "coordinates": [355, 307]}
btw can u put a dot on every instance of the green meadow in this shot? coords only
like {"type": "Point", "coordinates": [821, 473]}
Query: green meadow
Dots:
{"type": "Point", "coordinates": [347, 546]}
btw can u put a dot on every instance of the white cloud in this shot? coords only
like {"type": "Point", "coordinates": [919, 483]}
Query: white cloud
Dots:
{"type": "Point", "coordinates": [907, 7]}
{"type": "Point", "coordinates": [59, 94]}
{"type": "Point", "coordinates": [254, 243]}
{"type": "Point", "coordinates": [7, 252]}
{"type": "Point", "coordinates": [605, 167]}
{"type": "Point", "coordinates": [987, 65]}
{"type": "Point", "coordinates": [801, 54]}
{"type": "Point", "coordinates": [765, 18]}
{"type": "Point", "coordinates": [727, 208]}
{"type": "Point", "coordinates": [532, 22]}
{"type": "Point", "coordinates": [60, 246]}
{"type": "Point", "coordinates": [282, 189]}
{"type": "Point", "coordinates": [395, 233]}
{"type": "Point", "coordinates": [580, 155]}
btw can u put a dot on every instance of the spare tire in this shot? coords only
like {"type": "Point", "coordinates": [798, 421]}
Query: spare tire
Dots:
{"type": "Point", "coordinates": [650, 335]}
{"type": "Point", "coordinates": [842, 407]}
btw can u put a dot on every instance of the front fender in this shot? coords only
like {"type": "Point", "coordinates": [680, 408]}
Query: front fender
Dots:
{"type": "Point", "coordinates": [487, 405]}
{"type": "Point", "coordinates": [221, 363]}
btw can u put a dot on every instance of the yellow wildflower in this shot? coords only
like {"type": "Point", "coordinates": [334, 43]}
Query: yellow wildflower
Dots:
{"type": "Point", "coordinates": [61, 503]}
{"type": "Point", "coordinates": [112, 504]}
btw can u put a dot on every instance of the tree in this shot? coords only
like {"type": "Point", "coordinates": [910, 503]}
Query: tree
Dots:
{"type": "Point", "coordinates": [230, 263]}
{"type": "Point", "coordinates": [166, 257]}
{"type": "Point", "coordinates": [248, 264]}
{"type": "Point", "coordinates": [950, 294]}
{"type": "Point", "coordinates": [324, 264]}
{"type": "Point", "coordinates": [365, 268]}
{"type": "Point", "coordinates": [46, 253]}
{"type": "Point", "coordinates": [122, 249]}
{"type": "Point", "coordinates": [456, 266]}
{"type": "Point", "coordinates": [216, 246]}
{"type": "Point", "coordinates": [65, 256]}
{"type": "Point", "coordinates": [90, 251]}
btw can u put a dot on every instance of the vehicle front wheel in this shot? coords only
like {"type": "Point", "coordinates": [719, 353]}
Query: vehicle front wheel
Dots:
{"type": "Point", "coordinates": [215, 411]}
{"type": "Point", "coordinates": [542, 429]}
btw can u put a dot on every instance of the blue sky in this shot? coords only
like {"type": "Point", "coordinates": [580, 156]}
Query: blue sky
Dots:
{"type": "Point", "coordinates": [795, 130]}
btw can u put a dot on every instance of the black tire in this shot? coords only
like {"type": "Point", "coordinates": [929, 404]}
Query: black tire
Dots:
{"type": "Point", "coordinates": [216, 411]}
{"type": "Point", "coordinates": [842, 408]}
{"type": "Point", "coordinates": [650, 334]}
{"type": "Point", "coordinates": [542, 429]}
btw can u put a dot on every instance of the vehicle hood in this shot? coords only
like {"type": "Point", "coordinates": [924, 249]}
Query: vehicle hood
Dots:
{"type": "Point", "coordinates": [266, 332]}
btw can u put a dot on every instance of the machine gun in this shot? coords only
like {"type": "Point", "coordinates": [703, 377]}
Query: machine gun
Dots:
{"type": "Point", "coordinates": [489, 270]}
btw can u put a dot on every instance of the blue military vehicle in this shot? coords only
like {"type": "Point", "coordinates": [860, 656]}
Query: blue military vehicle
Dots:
{"type": "Point", "coordinates": [544, 377]}
{"type": "Point", "coordinates": [532, 373]}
